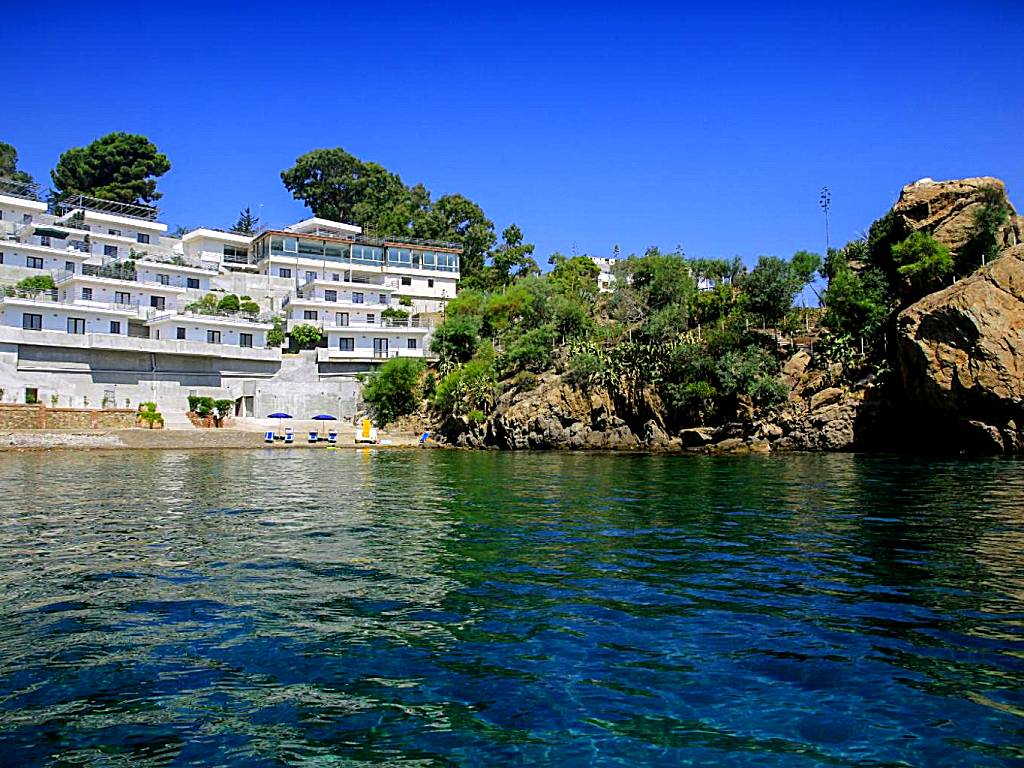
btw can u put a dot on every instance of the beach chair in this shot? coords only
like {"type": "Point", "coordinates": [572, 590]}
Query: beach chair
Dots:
{"type": "Point", "coordinates": [424, 437]}
{"type": "Point", "coordinates": [367, 434]}
{"type": "Point", "coordinates": [313, 436]}
{"type": "Point", "coordinates": [289, 437]}
{"type": "Point", "coordinates": [268, 436]}
{"type": "Point", "coordinates": [332, 437]}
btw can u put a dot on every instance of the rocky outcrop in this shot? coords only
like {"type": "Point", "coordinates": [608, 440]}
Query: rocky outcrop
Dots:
{"type": "Point", "coordinates": [947, 210]}
{"type": "Point", "coordinates": [961, 355]}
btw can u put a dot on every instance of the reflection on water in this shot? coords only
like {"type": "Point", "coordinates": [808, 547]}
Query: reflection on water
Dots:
{"type": "Point", "coordinates": [449, 608]}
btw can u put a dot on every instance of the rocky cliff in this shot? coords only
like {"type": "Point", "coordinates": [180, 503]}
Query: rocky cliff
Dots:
{"type": "Point", "coordinates": [948, 210]}
{"type": "Point", "coordinates": [960, 351]}
{"type": "Point", "coordinates": [957, 380]}
{"type": "Point", "coordinates": [961, 357]}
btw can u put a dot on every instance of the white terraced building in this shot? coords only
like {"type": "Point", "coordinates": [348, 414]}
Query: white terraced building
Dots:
{"type": "Point", "coordinates": [122, 324]}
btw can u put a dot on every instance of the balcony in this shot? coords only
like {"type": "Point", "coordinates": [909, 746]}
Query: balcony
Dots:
{"type": "Point", "coordinates": [73, 203]}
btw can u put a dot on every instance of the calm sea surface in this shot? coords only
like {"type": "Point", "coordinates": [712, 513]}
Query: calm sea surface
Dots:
{"type": "Point", "coordinates": [423, 608]}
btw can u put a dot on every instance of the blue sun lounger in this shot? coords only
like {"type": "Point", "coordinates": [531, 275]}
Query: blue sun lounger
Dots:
{"type": "Point", "coordinates": [332, 437]}
{"type": "Point", "coordinates": [268, 436]}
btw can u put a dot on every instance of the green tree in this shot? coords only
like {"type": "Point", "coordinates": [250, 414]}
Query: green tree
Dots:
{"type": "Point", "coordinates": [36, 284]}
{"type": "Point", "coordinates": [460, 220]}
{"type": "Point", "coordinates": [306, 336]}
{"type": "Point", "coordinates": [9, 165]}
{"type": "Point", "coordinates": [771, 287]}
{"type": "Point", "coordinates": [923, 265]}
{"type": "Point", "coordinates": [276, 335]}
{"type": "Point", "coordinates": [455, 340]}
{"type": "Point", "coordinates": [512, 259]}
{"type": "Point", "coordinates": [122, 167]}
{"type": "Point", "coordinates": [393, 389]}
{"type": "Point", "coordinates": [983, 243]}
{"type": "Point", "coordinates": [246, 223]}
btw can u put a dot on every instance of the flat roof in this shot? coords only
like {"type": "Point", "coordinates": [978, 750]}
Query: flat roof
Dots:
{"type": "Point", "coordinates": [199, 319]}
{"type": "Point", "coordinates": [314, 223]}
{"type": "Point", "coordinates": [217, 234]}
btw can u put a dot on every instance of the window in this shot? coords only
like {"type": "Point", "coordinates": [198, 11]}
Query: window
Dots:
{"type": "Point", "coordinates": [330, 295]}
{"type": "Point", "coordinates": [110, 250]}
{"type": "Point", "coordinates": [44, 240]}
{"type": "Point", "coordinates": [158, 302]}
{"type": "Point", "coordinates": [430, 282]}
{"type": "Point", "coordinates": [213, 337]}
{"type": "Point", "coordinates": [336, 277]}
{"type": "Point", "coordinates": [284, 272]}
{"type": "Point", "coordinates": [411, 344]}
{"type": "Point", "coordinates": [115, 232]}
{"type": "Point", "coordinates": [357, 298]}
{"type": "Point", "coordinates": [371, 318]}
{"type": "Point", "coordinates": [142, 238]}
{"type": "Point", "coordinates": [310, 276]}
{"type": "Point", "coordinates": [193, 283]}
{"type": "Point", "coordinates": [76, 325]}
{"type": "Point", "coordinates": [69, 266]}
{"type": "Point", "coordinates": [245, 339]}
{"type": "Point", "coordinates": [26, 218]}
{"type": "Point", "coordinates": [34, 262]}
{"type": "Point", "coordinates": [1, 257]}
{"type": "Point", "coordinates": [115, 326]}
{"type": "Point", "coordinates": [309, 314]}
{"type": "Point", "coordinates": [406, 280]}
{"type": "Point", "coordinates": [122, 297]}
{"type": "Point", "coordinates": [30, 322]}
{"type": "Point", "coordinates": [341, 318]}
{"type": "Point", "coordinates": [31, 395]}
{"type": "Point", "coordinates": [163, 279]}
{"type": "Point", "coordinates": [179, 333]}
{"type": "Point", "coordinates": [346, 344]}
{"type": "Point", "coordinates": [87, 294]}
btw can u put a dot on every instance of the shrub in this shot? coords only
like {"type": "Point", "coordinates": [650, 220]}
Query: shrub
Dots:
{"type": "Point", "coordinates": [275, 336]}
{"type": "Point", "coordinates": [532, 351]}
{"type": "Point", "coordinates": [205, 306]}
{"type": "Point", "coordinates": [923, 263]}
{"type": "Point", "coordinates": [455, 340]}
{"type": "Point", "coordinates": [223, 408]}
{"type": "Point", "coordinates": [471, 387]}
{"type": "Point", "coordinates": [201, 406]}
{"type": "Point", "coordinates": [228, 303]}
{"type": "Point", "coordinates": [37, 283]}
{"type": "Point", "coordinates": [249, 307]}
{"type": "Point", "coordinates": [150, 415]}
{"type": "Point", "coordinates": [306, 336]}
{"type": "Point", "coordinates": [394, 314]}
{"type": "Point", "coordinates": [405, 301]}
{"type": "Point", "coordinates": [392, 389]}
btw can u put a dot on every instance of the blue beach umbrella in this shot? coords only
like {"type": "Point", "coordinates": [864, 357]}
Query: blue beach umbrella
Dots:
{"type": "Point", "coordinates": [325, 417]}
{"type": "Point", "coordinates": [279, 416]}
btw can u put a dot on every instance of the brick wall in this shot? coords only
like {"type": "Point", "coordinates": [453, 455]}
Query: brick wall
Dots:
{"type": "Point", "coordinates": [18, 416]}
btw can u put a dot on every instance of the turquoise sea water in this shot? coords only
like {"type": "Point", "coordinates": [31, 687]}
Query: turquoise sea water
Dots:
{"type": "Point", "coordinates": [441, 608]}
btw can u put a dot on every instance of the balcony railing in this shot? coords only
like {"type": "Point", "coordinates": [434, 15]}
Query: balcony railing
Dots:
{"type": "Point", "coordinates": [23, 189]}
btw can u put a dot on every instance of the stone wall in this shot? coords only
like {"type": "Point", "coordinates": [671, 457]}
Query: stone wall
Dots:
{"type": "Point", "coordinates": [38, 416]}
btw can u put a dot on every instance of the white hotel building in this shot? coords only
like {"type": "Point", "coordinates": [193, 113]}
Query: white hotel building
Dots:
{"type": "Point", "coordinates": [121, 324]}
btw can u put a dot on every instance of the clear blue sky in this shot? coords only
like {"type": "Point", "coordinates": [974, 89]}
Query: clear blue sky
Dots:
{"type": "Point", "coordinates": [708, 125]}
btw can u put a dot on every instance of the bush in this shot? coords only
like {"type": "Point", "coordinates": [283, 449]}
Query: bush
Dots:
{"type": "Point", "coordinates": [393, 389]}
{"type": "Point", "coordinates": [228, 303]}
{"type": "Point", "coordinates": [306, 336]}
{"type": "Point", "coordinates": [205, 306]}
{"type": "Point", "coordinates": [223, 408]}
{"type": "Point", "coordinates": [405, 301]}
{"type": "Point", "coordinates": [201, 406]}
{"type": "Point", "coordinates": [923, 263]}
{"type": "Point", "coordinates": [455, 340]}
{"type": "Point", "coordinates": [149, 414]}
{"type": "Point", "coordinates": [275, 336]}
{"type": "Point", "coordinates": [532, 351]}
{"type": "Point", "coordinates": [37, 283]}
{"type": "Point", "coordinates": [391, 313]}
{"type": "Point", "coordinates": [469, 388]}
{"type": "Point", "coordinates": [249, 307]}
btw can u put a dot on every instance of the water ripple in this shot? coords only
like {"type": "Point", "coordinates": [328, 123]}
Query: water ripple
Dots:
{"type": "Point", "coordinates": [435, 608]}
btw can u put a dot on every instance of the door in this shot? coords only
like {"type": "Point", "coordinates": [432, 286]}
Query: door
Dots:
{"type": "Point", "coordinates": [380, 347]}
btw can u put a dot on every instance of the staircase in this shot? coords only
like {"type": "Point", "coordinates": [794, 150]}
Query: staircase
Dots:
{"type": "Point", "coordinates": [177, 420]}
